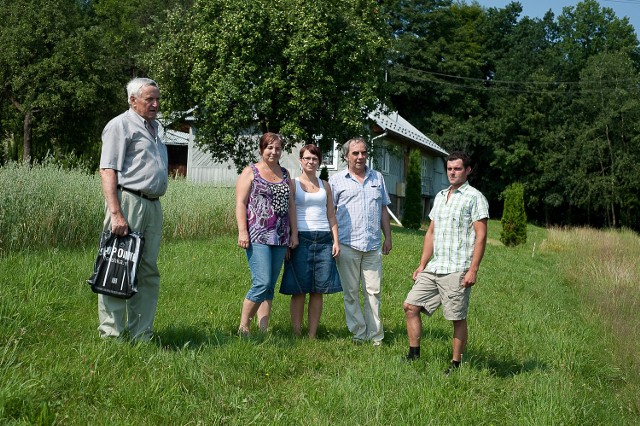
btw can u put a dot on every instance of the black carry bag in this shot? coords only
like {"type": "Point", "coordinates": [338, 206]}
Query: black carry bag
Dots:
{"type": "Point", "coordinates": [114, 272]}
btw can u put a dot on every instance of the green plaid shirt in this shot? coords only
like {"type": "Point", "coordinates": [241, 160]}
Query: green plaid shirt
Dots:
{"type": "Point", "coordinates": [454, 236]}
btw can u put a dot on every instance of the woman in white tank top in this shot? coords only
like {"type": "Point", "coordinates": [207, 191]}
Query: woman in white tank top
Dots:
{"type": "Point", "coordinates": [311, 267]}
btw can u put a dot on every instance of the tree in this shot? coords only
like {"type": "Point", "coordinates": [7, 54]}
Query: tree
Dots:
{"type": "Point", "coordinates": [520, 108]}
{"type": "Point", "coordinates": [596, 62]}
{"type": "Point", "coordinates": [412, 217]}
{"type": "Point", "coordinates": [127, 25]}
{"type": "Point", "coordinates": [304, 69]}
{"type": "Point", "coordinates": [440, 73]}
{"type": "Point", "coordinates": [605, 159]}
{"type": "Point", "coordinates": [63, 67]}
{"type": "Point", "coordinates": [539, 129]}
{"type": "Point", "coordinates": [514, 218]}
{"type": "Point", "coordinates": [50, 69]}
{"type": "Point", "coordinates": [438, 69]}
{"type": "Point", "coordinates": [587, 30]}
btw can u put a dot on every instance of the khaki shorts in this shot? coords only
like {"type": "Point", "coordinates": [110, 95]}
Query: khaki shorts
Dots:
{"type": "Point", "coordinates": [432, 290]}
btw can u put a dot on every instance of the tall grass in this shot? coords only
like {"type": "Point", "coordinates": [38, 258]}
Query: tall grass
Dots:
{"type": "Point", "coordinates": [46, 206]}
{"type": "Point", "coordinates": [604, 267]}
{"type": "Point", "coordinates": [197, 211]}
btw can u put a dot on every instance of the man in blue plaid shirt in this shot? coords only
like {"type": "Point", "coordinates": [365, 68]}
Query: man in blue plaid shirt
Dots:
{"type": "Point", "coordinates": [451, 254]}
{"type": "Point", "coordinates": [361, 199]}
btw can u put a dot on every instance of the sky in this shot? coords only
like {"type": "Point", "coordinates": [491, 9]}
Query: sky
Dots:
{"type": "Point", "coordinates": [537, 8]}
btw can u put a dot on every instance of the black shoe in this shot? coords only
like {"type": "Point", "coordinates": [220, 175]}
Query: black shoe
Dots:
{"type": "Point", "coordinates": [451, 368]}
{"type": "Point", "coordinates": [411, 357]}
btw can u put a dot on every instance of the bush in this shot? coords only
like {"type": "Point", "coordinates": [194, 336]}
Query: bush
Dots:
{"type": "Point", "coordinates": [412, 217]}
{"type": "Point", "coordinates": [324, 173]}
{"type": "Point", "coordinates": [514, 218]}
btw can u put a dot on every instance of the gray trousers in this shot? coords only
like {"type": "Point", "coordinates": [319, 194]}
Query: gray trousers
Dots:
{"type": "Point", "coordinates": [361, 271]}
{"type": "Point", "coordinates": [136, 315]}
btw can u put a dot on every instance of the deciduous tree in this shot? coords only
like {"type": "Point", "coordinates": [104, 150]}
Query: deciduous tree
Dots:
{"type": "Point", "coordinates": [303, 69]}
{"type": "Point", "coordinates": [50, 72]}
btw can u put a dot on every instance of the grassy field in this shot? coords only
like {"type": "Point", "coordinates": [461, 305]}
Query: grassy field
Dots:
{"type": "Point", "coordinates": [552, 323]}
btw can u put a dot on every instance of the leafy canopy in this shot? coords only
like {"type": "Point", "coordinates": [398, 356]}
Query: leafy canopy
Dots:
{"type": "Point", "coordinates": [308, 70]}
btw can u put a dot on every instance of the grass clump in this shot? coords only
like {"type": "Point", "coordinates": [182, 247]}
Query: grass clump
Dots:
{"type": "Point", "coordinates": [603, 267]}
{"type": "Point", "coordinates": [197, 211]}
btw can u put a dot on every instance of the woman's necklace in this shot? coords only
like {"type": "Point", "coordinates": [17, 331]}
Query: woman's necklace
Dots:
{"type": "Point", "coordinates": [312, 185]}
{"type": "Point", "coordinates": [271, 174]}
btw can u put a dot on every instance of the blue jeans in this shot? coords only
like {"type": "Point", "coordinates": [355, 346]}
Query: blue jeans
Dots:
{"type": "Point", "coordinates": [265, 262]}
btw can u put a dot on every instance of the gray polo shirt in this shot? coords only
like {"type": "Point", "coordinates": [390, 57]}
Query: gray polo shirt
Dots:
{"type": "Point", "coordinates": [139, 159]}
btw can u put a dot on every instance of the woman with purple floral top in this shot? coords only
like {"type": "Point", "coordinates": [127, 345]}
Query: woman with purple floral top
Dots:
{"type": "Point", "coordinates": [266, 227]}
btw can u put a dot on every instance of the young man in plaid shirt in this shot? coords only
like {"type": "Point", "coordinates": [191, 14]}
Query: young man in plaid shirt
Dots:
{"type": "Point", "coordinates": [451, 254]}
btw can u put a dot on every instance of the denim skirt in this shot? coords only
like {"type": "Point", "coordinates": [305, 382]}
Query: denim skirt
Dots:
{"type": "Point", "coordinates": [311, 268]}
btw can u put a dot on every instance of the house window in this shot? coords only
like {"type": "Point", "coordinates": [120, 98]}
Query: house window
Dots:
{"type": "Point", "coordinates": [385, 159]}
{"type": "Point", "coordinates": [427, 183]}
{"type": "Point", "coordinates": [330, 157]}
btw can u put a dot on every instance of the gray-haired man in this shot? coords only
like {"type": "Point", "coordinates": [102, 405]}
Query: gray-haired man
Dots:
{"type": "Point", "coordinates": [360, 198]}
{"type": "Point", "coordinates": [133, 171]}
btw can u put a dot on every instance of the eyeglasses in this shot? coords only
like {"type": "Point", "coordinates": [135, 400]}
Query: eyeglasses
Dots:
{"type": "Point", "coordinates": [309, 159]}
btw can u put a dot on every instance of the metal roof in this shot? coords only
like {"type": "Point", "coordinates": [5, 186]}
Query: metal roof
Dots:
{"type": "Point", "coordinates": [392, 122]}
{"type": "Point", "coordinates": [171, 137]}
{"type": "Point", "coordinates": [174, 137]}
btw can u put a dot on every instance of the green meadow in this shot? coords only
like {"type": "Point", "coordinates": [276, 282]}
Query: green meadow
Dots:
{"type": "Point", "coordinates": [553, 328]}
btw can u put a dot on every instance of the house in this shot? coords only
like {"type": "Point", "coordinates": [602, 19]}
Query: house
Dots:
{"type": "Point", "coordinates": [392, 138]}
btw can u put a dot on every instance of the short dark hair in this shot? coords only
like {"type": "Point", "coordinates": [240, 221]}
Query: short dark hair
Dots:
{"type": "Point", "coordinates": [459, 155]}
{"type": "Point", "coordinates": [313, 149]}
{"type": "Point", "coordinates": [269, 138]}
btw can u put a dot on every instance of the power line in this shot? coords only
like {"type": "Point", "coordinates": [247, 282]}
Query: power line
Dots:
{"type": "Point", "coordinates": [531, 82]}
{"type": "Point", "coordinates": [624, 1]}
{"type": "Point", "coordinates": [499, 85]}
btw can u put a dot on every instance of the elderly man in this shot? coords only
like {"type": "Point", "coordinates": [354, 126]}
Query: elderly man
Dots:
{"type": "Point", "coordinates": [133, 171]}
{"type": "Point", "coordinates": [361, 199]}
{"type": "Point", "coordinates": [451, 254]}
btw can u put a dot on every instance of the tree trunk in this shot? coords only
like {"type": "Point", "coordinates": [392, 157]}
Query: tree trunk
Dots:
{"type": "Point", "coordinates": [28, 121]}
{"type": "Point", "coordinates": [612, 201]}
